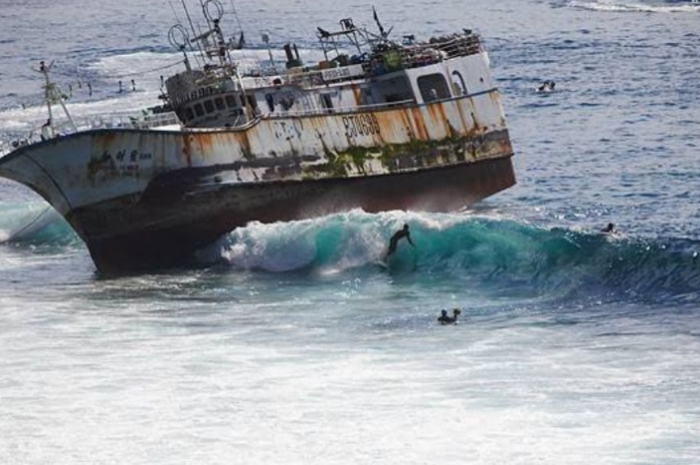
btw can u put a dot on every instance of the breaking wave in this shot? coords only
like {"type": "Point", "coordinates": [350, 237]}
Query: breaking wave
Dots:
{"type": "Point", "coordinates": [638, 6]}
{"type": "Point", "coordinates": [488, 253]}
{"type": "Point", "coordinates": [498, 254]}
{"type": "Point", "coordinates": [34, 225]}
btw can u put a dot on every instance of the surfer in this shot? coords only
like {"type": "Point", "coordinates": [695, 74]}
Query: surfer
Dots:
{"type": "Point", "coordinates": [445, 319]}
{"type": "Point", "coordinates": [609, 229]}
{"type": "Point", "coordinates": [398, 235]}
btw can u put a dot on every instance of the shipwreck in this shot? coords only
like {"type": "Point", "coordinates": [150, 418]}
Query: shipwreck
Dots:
{"type": "Point", "coordinates": [376, 124]}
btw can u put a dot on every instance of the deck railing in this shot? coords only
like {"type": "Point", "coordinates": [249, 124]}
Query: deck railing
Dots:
{"type": "Point", "coordinates": [117, 120]}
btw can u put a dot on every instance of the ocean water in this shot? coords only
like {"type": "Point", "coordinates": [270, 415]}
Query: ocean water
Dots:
{"type": "Point", "coordinates": [291, 344]}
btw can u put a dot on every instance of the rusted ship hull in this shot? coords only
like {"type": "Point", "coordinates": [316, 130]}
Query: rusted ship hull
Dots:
{"type": "Point", "coordinates": [190, 220]}
{"type": "Point", "coordinates": [143, 199]}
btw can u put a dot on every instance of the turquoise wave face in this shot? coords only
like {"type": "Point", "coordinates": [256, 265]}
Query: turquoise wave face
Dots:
{"type": "Point", "coordinates": [34, 224]}
{"type": "Point", "coordinates": [491, 255]}
{"type": "Point", "coordinates": [500, 256]}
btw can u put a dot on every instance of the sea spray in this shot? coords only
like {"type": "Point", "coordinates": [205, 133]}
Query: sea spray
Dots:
{"type": "Point", "coordinates": [34, 224]}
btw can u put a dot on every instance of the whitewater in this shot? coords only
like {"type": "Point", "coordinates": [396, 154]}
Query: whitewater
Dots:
{"type": "Point", "coordinates": [295, 343]}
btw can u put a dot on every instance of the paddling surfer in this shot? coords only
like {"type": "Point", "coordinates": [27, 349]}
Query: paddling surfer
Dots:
{"type": "Point", "coordinates": [609, 229]}
{"type": "Point", "coordinates": [445, 319]}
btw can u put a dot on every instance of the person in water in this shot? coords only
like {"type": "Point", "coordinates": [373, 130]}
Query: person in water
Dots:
{"type": "Point", "coordinates": [398, 235]}
{"type": "Point", "coordinates": [609, 229]}
{"type": "Point", "coordinates": [547, 86]}
{"type": "Point", "coordinates": [445, 319]}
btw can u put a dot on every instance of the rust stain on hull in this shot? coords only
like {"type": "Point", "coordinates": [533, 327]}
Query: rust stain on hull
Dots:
{"type": "Point", "coordinates": [187, 149]}
{"type": "Point", "coordinates": [420, 131]}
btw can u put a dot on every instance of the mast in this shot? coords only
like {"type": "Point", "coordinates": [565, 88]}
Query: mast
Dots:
{"type": "Point", "coordinates": [53, 94]}
{"type": "Point", "coordinates": [44, 69]}
{"type": "Point", "coordinates": [178, 37]}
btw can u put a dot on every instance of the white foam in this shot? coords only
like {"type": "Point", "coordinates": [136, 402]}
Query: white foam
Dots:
{"type": "Point", "coordinates": [149, 66]}
{"type": "Point", "coordinates": [145, 68]}
{"type": "Point", "coordinates": [136, 65]}
{"type": "Point", "coordinates": [362, 240]}
{"type": "Point", "coordinates": [634, 7]}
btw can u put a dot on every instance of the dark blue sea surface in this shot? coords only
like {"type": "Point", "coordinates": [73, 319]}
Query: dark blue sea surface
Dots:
{"type": "Point", "coordinates": [295, 343]}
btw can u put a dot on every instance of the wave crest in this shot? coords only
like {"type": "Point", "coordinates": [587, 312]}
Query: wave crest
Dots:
{"type": "Point", "coordinates": [637, 6]}
{"type": "Point", "coordinates": [34, 225]}
{"type": "Point", "coordinates": [503, 255]}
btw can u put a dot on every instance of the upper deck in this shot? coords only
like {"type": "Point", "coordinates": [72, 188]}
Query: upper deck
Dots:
{"type": "Point", "coordinates": [360, 71]}
{"type": "Point", "coordinates": [381, 72]}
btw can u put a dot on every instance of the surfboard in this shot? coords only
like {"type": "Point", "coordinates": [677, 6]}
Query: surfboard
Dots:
{"type": "Point", "coordinates": [401, 261]}
{"type": "Point", "coordinates": [381, 264]}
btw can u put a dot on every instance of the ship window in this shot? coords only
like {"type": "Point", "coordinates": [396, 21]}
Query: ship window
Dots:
{"type": "Point", "coordinates": [251, 101]}
{"type": "Point", "coordinates": [219, 102]}
{"type": "Point", "coordinates": [189, 114]}
{"type": "Point", "coordinates": [433, 87]}
{"type": "Point", "coordinates": [231, 101]}
{"type": "Point", "coordinates": [270, 99]}
{"type": "Point", "coordinates": [327, 101]}
{"type": "Point", "coordinates": [198, 109]}
{"type": "Point", "coordinates": [366, 97]}
{"type": "Point", "coordinates": [209, 106]}
{"type": "Point", "coordinates": [396, 89]}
